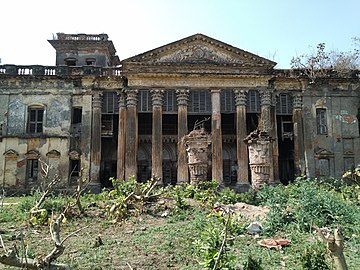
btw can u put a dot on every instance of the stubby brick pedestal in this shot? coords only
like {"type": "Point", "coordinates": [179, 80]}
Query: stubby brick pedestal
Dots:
{"type": "Point", "coordinates": [259, 156]}
{"type": "Point", "coordinates": [197, 147]}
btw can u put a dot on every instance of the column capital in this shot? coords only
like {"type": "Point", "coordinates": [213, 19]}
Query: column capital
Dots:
{"type": "Point", "coordinates": [240, 97]}
{"type": "Point", "coordinates": [297, 101]}
{"type": "Point", "coordinates": [131, 97]}
{"type": "Point", "coordinates": [182, 96]}
{"type": "Point", "coordinates": [157, 96]}
{"type": "Point", "coordinates": [122, 98]}
{"type": "Point", "coordinates": [215, 90]}
{"type": "Point", "coordinates": [265, 98]}
{"type": "Point", "coordinates": [96, 100]}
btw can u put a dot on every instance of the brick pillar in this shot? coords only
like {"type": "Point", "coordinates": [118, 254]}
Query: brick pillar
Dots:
{"type": "Point", "coordinates": [156, 142]}
{"type": "Point", "coordinates": [299, 149]}
{"type": "Point", "coordinates": [182, 97]}
{"type": "Point", "coordinates": [120, 174]}
{"type": "Point", "coordinates": [241, 147]}
{"type": "Point", "coordinates": [95, 152]}
{"type": "Point", "coordinates": [131, 134]}
{"type": "Point", "coordinates": [216, 146]}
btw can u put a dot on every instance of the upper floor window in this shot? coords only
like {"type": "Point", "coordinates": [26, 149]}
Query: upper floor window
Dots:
{"type": "Point", "coordinates": [253, 102]}
{"type": "Point", "coordinates": [90, 61]}
{"type": "Point", "coordinates": [321, 122]}
{"type": "Point", "coordinates": [227, 101]}
{"type": "Point", "coordinates": [199, 101]}
{"type": "Point", "coordinates": [144, 101]}
{"type": "Point", "coordinates": [35, 120]}
{"type": "Point", "coordinates": [170, 101]}
{"type": "Point", "coordinates": [110, 103]}
{"type": "Point", "coordinates": [284, 104]}
{"type": "Point", "coordinates": [70, 61]}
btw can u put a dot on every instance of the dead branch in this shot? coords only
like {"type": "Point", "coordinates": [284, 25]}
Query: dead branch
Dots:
{"type": "Point", "coordinates": [334, 242]}
{"type": "Point", "coordinates": [226, 228]}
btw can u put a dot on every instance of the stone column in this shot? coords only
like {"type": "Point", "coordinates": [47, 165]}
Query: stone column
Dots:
{"type": "Point", "coordinates": [156, 142]}
{"type": "Point", "coordinates": [275, 143]}
{"type": "Point", "coordinates": [95, 150]}
{"type": "Point", "coordinates": [131, 134]}
{"type": "Point", "coordinates": [120, 174]}
{"type": "Point", "coordinates": [217, 161]}
{"type": "Point", "coordinates": [299, 148]}
{"type": "Point", "coordinates": [241, 147]}
{"type": "Point", "coordinates": [182, 97]}
{"type": "Point", "coordinates": [266, 124]}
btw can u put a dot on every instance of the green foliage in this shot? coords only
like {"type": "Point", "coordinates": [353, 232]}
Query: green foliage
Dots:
{"type": "Point", "coordinates": [307, 203]}
{"type": "Point", "coordinates": [252, 264]}
{"type": "Point", "coordinates": [314, 258]}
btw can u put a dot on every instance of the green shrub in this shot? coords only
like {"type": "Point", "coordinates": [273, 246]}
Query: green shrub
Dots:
{"type": "Point", "coordinates": [314, 258]}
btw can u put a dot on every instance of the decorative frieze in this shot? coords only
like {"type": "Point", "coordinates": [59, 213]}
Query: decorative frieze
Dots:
{"type": "Point", "coordinates": [157, 96]}
{"type": "Point", "coordinates": [182, 97]}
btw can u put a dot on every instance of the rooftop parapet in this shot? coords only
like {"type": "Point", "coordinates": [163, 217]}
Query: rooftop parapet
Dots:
{"type": "Point", "coordinates": [62, 36]}
{"type": "Point", "coordinates": [36, 70]}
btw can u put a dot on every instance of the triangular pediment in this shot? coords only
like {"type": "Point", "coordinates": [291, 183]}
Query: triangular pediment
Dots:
{"type": "Point", "coordinates": [323, 153]}
{"type": "Point", "coordinates": [199, 49]}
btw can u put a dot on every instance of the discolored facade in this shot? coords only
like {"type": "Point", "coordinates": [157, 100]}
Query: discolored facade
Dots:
{"type": "Point", "coordinates": [95, 117]}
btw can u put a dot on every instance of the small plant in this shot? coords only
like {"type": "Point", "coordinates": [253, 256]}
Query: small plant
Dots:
{"type": "Point", "coordinates": [252, 264]}
{"type": "Point", "coordinates": [314, 258]}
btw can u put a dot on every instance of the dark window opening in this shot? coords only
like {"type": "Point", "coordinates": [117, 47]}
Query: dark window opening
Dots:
{"type": "Point", "coordinates": [169, 124]}
{"type": "Point", "coordinates": [252, 122]}
{"type": "Point", "coordinates": [90, 61]}
{"type": "Point", "coordinates": [321, 122]}
{"type": "Point", "coordinates": [32, 169]}
{"type": "Point", "coordinates": [70, 62]}
{"type": "Point", "coordinates": [76, 116]}
{"type": "Point", "coordinates": [145, 123]}
{"type": "Point", "coordinates": [35, 120]}
{"type": "Point", "coordinates": [197, 118]}
{"type": "Point", "coordinates": [286, 148]}
{"type": "Point", "coordinates": [107, 125]}
{"type": "Point", "coordinates": [228, 125]}
{"type": "Point", "coordinates": [74, 167]}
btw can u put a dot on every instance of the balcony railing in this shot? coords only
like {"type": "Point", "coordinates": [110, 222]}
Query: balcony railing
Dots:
{"type": "Point", "coordinates": [36, 70]}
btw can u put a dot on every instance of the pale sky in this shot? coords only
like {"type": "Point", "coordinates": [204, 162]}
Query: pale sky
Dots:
{"type": "Point", "coordinates": [274, 29]}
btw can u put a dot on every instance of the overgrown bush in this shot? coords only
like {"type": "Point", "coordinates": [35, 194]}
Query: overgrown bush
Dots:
{"type": "Point", "coordinates": [314, 257]}
{"type": "Point", "coordinates": [307, 203]}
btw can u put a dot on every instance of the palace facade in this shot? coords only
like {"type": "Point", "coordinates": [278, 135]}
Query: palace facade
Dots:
{"type": "Point", "coordinates": [94, 116]}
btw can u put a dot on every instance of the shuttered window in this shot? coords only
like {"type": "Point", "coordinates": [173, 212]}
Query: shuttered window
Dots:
{"type": "Point", "coordinates": [227, 101]}
{"type": "Point", "coordinates": [283, 104]}
{"type": "Point", "coordinates": [199, 101]}
{"type": "Point", "coordinates": [321, 122]}
{"type": "Point", "coordinates": [253, 102]}
{"type": "Point", "coordinates": [110, 103]}
{"type": "Point", "coordinates": [169, 101]}
{"type": "Point", "coordinates": [144, 101]}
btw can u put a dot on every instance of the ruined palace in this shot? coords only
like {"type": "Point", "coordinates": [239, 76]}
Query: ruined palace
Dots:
{"type": "Point", "coordinates": [95, 116]}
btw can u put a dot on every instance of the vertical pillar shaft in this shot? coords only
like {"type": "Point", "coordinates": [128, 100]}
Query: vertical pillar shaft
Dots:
{"type": "Point", "coordinates": [241, 147]}
{"type": "Point", "coordinates": [275, 143]}
{"type": "Point", "coordinates": [217, 160]}
{"type": "Point", "coordinates": [182, 97]}
{"type": "Point", "coordinates": [299, 150]}
{"type": "Point", "coordinates": [267, 124]}
{"type": "Point", "coordinates": [131, 136]}
{"type": "Point", "coordinates": [121, 137]}
{"type": "Point", "coordinates": [156, 144]}
{"type": "Point", "coordinates": [95, 154]}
